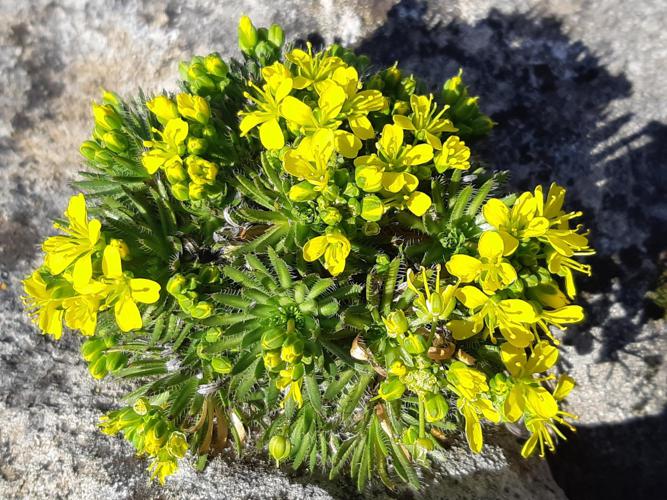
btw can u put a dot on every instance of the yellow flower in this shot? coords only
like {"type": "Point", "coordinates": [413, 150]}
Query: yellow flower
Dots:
{"type": "Point", "coordinates": [163, 108]}
{"type": "Point", "coordinates": [455, 154]}
{"type": "Point", "coordinates": [267, 112]}
{"type": "Point", "coordinates": [432, 306]}
{"type": "Point", "coordinates": [310, 160]}
{"type": "Point", "coordinates": [471, 387]}
{"type": "Point", "coordinates": [563, 266]}
{"type": "Point", "coordinates": [312, 69]}
{"type": "Point", "coordinates": [559, 317]}
{"type": "Point", "coordinates": [81, 312]}
{"type": "Point", "coordinates": [201, 171]}
{"type": "Point", "coordinates": [425, 121]}
{"type": "Point", "coordinates": [521, 222]}
{"type": "Point", "coordinates": [393, 155]}
{"type": "Point", "coordinates": [541, 429]}
{"type": "Point", "coordinates": [335, 247]}
{"type": "Point", "coordinates": [286, 381]}
{"type": "Point", "coordinates": [45, 303]}
{"type": "Point", "coordinates": [125, 292]}
{"type": "Point", "coordinates": [566, 241]}
{"type": "Point", "coordinates": [78, 246]}
{"type": "Point", "coordinates": [358, 104]}
{"type": "Point", "coordinates": [508, 315]}
{"type": "Point", "coordinates": [193, 107]}
{"type": "Point", "coordinates": [161, 469]}
{"type": "Point", "coordinates": [324, 116]}
{"type": "Point", "coordinates": [491, 270]}
{"type": "Point", "coordinates": [170, 148]}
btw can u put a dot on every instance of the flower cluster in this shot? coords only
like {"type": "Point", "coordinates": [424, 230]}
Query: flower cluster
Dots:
{"type": "Point", "coordinates": [346, 175]}
{"type": "Point", "coordinates": [344, 282]}
{"type": "Point", "coordinates": [83, 275]}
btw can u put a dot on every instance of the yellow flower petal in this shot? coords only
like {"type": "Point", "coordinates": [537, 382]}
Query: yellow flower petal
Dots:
{"type": "Point", "coordinates": [391, 140]}
{"type": "Point", "coordinates": [362, 127]}
{"type": "Point", "coordinates": [471, 297]}
{"type": "Point", "coordinates": [544, 356]}
{"type": "Point", "coordinates": [347, 144]}
{"type": "Point", "coordinates": [541, 402]}
{"type": "Point", "coordinates": [563, 387]}
{"type": "Point", "coordinates": [418, 155]}
{"type": "Point", "coordinates": [515, 334]}
{"type": "Point", "coordinates": [83, 271]}
{"type": "Point", "coordinates": [513, 406]}
{"type": "Point", "coordinates": [369, 177]}
{"type": "Point", "coordinates": [298, 112]}
{"type": "Point", "coordinates": [464, 267]}
{"type": "Point", "coordinates": [111, 266]}
{"type": "Point", "coordinates": [127, 314]}
{"type": "Point", "coordinates": [314, 248]}
{"type": "Point", "coordinates": [510, 243]}
{"type": "Point", "coordinates": [404, 122]}
{"type": "Point", "coordinates": [473, 429]}
{"type": "Point", "coordinates": [144, 291]}
{"type": "Point", "coordinates": [518, 311]}
{"type": "Point", "coordinates": [271, 134]}
{"type": "Point", "coordinates": [491, 246]}
{"type": "Point", "coordinates": [514, 358]}
{"type": "Point", "coordinates": [496, 213]}
{"type": "Point", "coordinates": [461, 329]}
{"type": "Point", "coordinates": [418, 203]}
{"type": "Point", "coordinates": [250, 121]}
{"type": "Point", "coordinates": [77, 212]}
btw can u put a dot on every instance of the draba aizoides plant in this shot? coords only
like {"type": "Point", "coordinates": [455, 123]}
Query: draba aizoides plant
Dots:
{"type": "Point", "coordinates": [300, 251]}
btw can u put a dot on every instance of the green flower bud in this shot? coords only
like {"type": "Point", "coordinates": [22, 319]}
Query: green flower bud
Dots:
{"type": "Point", "coordinates": [330, 216]}
{"type": "Point", "coordinates": [371, 229]}
{"type": "Point", "coordinates": [177, 445]}
{"type": "Point", "coordinates": [106, 117]}
{"type": "Point", "coordinates": [213, 335]}
{"type": "Point", "coordinates": [215, 65]}
{"type": "Point", "coordinates": [272, 360]}
{"type": "Point", "coordinates": [436, 407]}
{"type": "Point", "coordinates": [105, 157]}
{"type": "Point", "coordinates": [88, 150]}
{"type": "Point", "coordinates": [297, 372]}
{"type": "Point", "coordinates": [221, 365]}
{"type": "Point", "coordinates": [91, 348]}
{"type": "Point", "coordinates": [292, 349]}
{"type": "Point", "coordinates": [197, 145]}
{"type": "Point", "coordinates": [351, 190]}
{"type": "Point", "coordinates": [141, 406]}
{"type": "Point", "coordinates": [272, 339]}
{"type": "Point", "coordinates": [396, 323]}
{"type": "Point", "coordinates": [372, 208]}
{"type": "Point", "coordinates": [276, 35]}
{"type": "Point", "coordinates": [303, 191]}
{"type": "Point", "coordinates": [415, 344]}
{"type": "Point", "coordinates": [180, 192]}
{"type": "Point", "coordinates": [98, 368]}
{"type": "Point", "coordinates": [174, 171]}
{"type": "Point", "coordinates": [208, 274]}
{"type": "Point", "coordinates": [176, 284]}
{"type": "Point", "coordinates": [391, 389]}
{"type": "Point", "coordinates": [265, 52]}
{"type": "Point", "coordinates": [202, 310]}
{"type": "Point", "coordinates": [247, 35]}
{"type": "Point", "coordinates": [196, 191]}
{"type": "Point", "coordinates": [116, 361]}
{"type": "Point", "coordinates": [279, 448]}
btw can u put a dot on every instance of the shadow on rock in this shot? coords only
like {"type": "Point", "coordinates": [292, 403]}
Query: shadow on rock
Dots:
{"type": "Point", "coordinates": [558, 121]}
{"type": "Point", "coordinates": [589, 467]}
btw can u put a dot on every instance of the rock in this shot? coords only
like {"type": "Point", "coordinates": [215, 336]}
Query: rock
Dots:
{"type": "Point", "coordinates": [578, 94]}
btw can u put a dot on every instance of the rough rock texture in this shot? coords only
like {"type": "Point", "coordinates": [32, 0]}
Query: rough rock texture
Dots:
{"type": "Point", "coordinates": [578, 91]}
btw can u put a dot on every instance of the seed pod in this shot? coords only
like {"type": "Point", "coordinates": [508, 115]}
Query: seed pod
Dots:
{"type": "Point", "coordinates": [279, 448]}
{"type": "Point", "coordinates": [272, 339]}
{"type": "Point", "coordinates": [436, 407]}
{"type": "Point", "coordinates": [221, 365]}
{"type": "Point", "coordinates": [391, 389]}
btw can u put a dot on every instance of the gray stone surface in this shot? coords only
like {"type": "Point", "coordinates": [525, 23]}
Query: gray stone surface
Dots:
{"type": "Point", "coordinates": [578, 91]}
